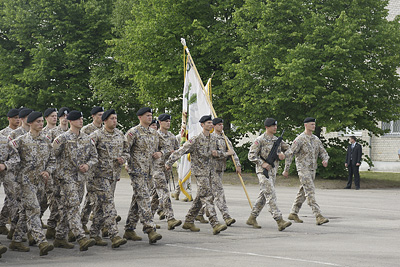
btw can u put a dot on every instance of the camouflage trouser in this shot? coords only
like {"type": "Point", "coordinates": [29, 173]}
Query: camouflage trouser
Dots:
{"type": "Point", "coordinates": [306, 191]}
{"type": "Point", "coordinates": [140, 205]}
{"type": "Point", "coordinates": [204, 197]}
{"type": "Point", "coordinates": [54, 198]}
{"type": "Point", "coordinates": [164, 201]}
{"type": "Point", "coordinates": [30, 195]}
{"type": "Point", "coordinates": [71, 192]}
{"type": "Point", "coordinates": [219, 196]}
{"type": "Point", "coordinates": [89, 203]}
{"type": "Point", "coordinates": [10, 206]}
{"type": "Point", "coordinates": [104, 212]}
{"type": "Point", "coordinates": [266, 195]}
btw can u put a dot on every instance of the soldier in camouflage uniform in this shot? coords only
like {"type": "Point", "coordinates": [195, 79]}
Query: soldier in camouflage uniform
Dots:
{"type": "Point", "coordinates": [36, 166]}
{"type": "Point", "coordinates": [96, 124]}
{"type": "Point", "coordinates": [258, 152]}
{"type": "Point", "coordinates": [54, 196]}
{"type": "Point", "coordinates": [307, 148]}
{"type": "Point", "coordinates": [19, 217]}
{"type": "Point", "coordinates": [142, 142]}
{"type": "Point", "coordinates": [112, 149]}
{"type": "Point", "coordinates": [202, 149]}
{"type": "Point", "coordinates": [10, 204]}
{"type": "Point", "coordinates": [50, 115]}
{"type": "Point", "coordinates": [160, 174]}
{"type": "Point", "coordinates": [9, 159]}
{"type": "Point", "coordinates": [216, 185]}
{"type": "Point", "coordinates": [76, 154]}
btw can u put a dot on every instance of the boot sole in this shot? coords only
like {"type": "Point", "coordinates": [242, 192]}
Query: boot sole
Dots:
{"type": "Point", "coordinates": [231, 222]}
{"type": "Point", "coordinates": [46, 250]}
{"type": "Point", "coordinates": [321, 223]}
{"type": "Point", "coordinates": [172, 227]}
{"type": "Point", "coordinates": [119, 243]}
{"type": "Point", "coordinates": [220, 230]}
{"type": "Point", "coordinates": [152, 241]}
{"type": "Point", "coordinates": [88, 245]}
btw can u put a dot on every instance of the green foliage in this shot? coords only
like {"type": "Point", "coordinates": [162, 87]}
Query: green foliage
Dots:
{"type": "Point", "coordinates": [336, 149]}
{"type": "Point", "coordinates": [242, 152]}
{"type": "Point", "coordinates": [48, 49]}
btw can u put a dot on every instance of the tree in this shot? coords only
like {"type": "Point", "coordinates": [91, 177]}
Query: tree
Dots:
{"type": "Point", "coordinates": [333, 60]}
{"type": "Point", "coordinates": [149, 48]}
{"type": "Point", "coordinates": [49, 49]}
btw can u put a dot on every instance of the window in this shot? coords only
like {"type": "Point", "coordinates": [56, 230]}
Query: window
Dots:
{"type": "Point", "coordinates": [392, 126]}
{"type": "Point", "coordinates": [350, 132]}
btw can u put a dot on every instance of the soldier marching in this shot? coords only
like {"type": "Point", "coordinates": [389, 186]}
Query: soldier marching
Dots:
{"type": "Point", "coordinates": [50, 166]}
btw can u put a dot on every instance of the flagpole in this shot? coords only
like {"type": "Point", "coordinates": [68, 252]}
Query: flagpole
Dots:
{"type": "Point", "coordinates": [183, 41]}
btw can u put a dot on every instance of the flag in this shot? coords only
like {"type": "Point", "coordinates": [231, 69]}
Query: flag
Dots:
{"type": "Point", "coordinates": [196, 103]}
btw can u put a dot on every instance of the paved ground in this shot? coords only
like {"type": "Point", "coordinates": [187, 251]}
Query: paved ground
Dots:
{"type": "Point", "coordinates": [364, 230]}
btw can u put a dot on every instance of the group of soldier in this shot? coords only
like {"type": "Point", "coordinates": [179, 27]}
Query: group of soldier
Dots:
{"type": "Point", "coordinates": [49, 168]}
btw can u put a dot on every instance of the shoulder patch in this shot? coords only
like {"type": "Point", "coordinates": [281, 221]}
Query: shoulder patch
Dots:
{"type": "Point", "coordinates": [256, 142]}
{"type": "Point", "coordinates": [14, 143]}
{"type": "Point", "coordinates": [130, 134]}
{"type": "Point", "coordinates": [57, 141]}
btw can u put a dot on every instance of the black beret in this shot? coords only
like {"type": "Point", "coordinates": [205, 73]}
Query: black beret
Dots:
{"type": "Point", "coordinates": [24, 112]}
{"type": "Point", "coordinates": [269, 122]}
{"type": "Point", "coordinates": [96, 110]}
{"type": "Point", "coordinates": [13, 112]}
{"type": "Point", "coordinates": [309, 119]}
{"type": "Point", "coordinates": [33, 116]}
{"type": "Point", "coordinates": [48, 111]}
{"type": "Point", "coordinates": [205, 118]}
{"type": "Point", "coordinates": [154, 121]}
{"type": "Point", "coordinates": [164, 117]}
{"type": "Point", "coordinates": [217, 120]}
{"type": "Point", "coordinates": [74, 115]}
{"type": "Point", "coordinates": [143, 111]}
{"type": "Point", "coordinates": [62, 111]}
{"type": "Point", "coordinates": [107, 114]}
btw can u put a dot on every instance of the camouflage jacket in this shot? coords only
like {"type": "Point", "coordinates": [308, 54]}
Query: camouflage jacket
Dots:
{"type": "Point", "coordinates": [36, 156]}
{"type": "Point", "coordinates": [46, 130]}
{"type": "Point", "coordinates": [6, 131]}
{"type": "Point", "coordinates": [56, 131]}
{"type": "Point", "coordinates": [200, 148]}
{"type": "Point", "coordinates": [110, 146]}
{"type": "Point", "coordinates": [261, 148]}
{"type": "Point", "coordinates": [90, 128]}
{"type": "Point", "coordinates": [307, 149]}
{"type": "Point", "coordinates": [71, 151]}
{"type": "Point", "coordinates": [142, 143]}
{"type": "Point", "coordinates": [17, 132]}
{"type": "Point", "coordinates": [221, 162]}
{"type": "Point", "coordinates": [171, 144]}
{"type": "Point", "coordinates": [8, 156]}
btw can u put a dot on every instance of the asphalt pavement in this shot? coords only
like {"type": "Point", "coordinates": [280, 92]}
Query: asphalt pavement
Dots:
{"type": "Point", "coordinates": [364, 230]}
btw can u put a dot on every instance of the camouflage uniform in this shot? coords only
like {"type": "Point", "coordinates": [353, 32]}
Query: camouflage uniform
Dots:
{"type": "Point", "coordinates": [110, 146]}
{"type": "Point", "coordinates": [46, 130]}
{"type": "Point", "coordinates": [36, 156]}
{"type": "Point", "coordinates": [89, 198]}
{"type": "Point", "coordinates": [307, 149]}
{"type": "Point", "coordinates": [10, 158]}
{"type": "Point", "coordinates": [142, 142]}
{"type": "Point", "coordinates": [161, 176]}
{"type": "Point", "coordinates": [200, 148]}
{"type": "Point", "coordinates": [6, 131]}
{"type": "Point", "coordinates": [53, 189]}
{"type": "Point", "coordinates": [72, 151]}
{"type": "Point", "coordinates": [17, 213]}
{"type": "Point", "coordinates": [261, 148]}
{"type": "Point", "coordinates": [216, 184]}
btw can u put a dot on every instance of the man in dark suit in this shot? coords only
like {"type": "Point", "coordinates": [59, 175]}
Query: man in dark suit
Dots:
{"type": "Point", "coordinates": [353, 162]}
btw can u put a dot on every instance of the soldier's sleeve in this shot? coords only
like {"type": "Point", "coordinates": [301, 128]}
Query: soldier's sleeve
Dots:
{"type": "Point", "coordinates": [13, 157]}
{"type": "Point", "coordinates": [51, 164]}
{"type": "Point", "coordinates": [162, 145]}
{"type": "Point", "coordinates": [322, 152]}
{"type": "Point", "coordinates": [235, 156]}
{"type": "Point", "coordinates": [176, 144]}
{"type": "Point", "coordinates": [125, 152]}
{"type": "Point", "coordinates": [131, 139]}
{"type": "Point", "coordinates": [293, 149]}
{"type": "Point", "coordinates": [58, 145]}
{"type": "Point", "coordinates": [186, 148]}
{"type": "Point", "coordinates": [93, 157]}
{"type": "Point", "coordinates": [284, 146]}
{"type": "Point", "coordinates": [254, 153]}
